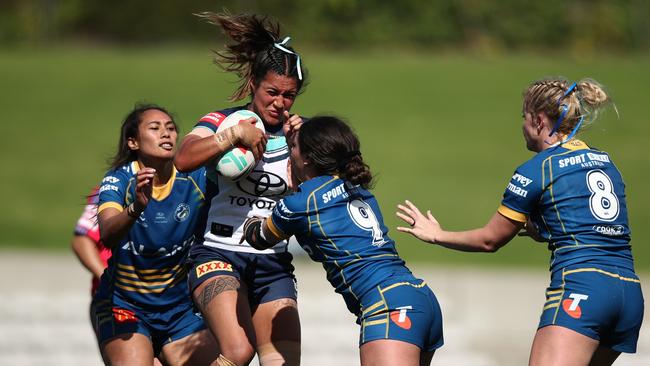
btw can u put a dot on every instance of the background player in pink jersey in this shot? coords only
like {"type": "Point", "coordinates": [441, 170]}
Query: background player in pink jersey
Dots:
{"type": "Point", "coordinates": [88, 247]}
{"type": "Point", "coordinates": [85, 243]}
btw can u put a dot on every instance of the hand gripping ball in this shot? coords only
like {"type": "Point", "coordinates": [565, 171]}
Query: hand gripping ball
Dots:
{"type": "Point", "coordinates": [239, 161]}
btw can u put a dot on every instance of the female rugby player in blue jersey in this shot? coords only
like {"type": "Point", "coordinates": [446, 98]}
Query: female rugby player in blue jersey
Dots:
{"type": "Point", "coordinates": [573, 197]}
{"type": "Point", "coordinates": [247, 297]}
{"type": "Point", "coordinates": [147, 212]}
{"type": "Point", "coordinates": [338, 222]}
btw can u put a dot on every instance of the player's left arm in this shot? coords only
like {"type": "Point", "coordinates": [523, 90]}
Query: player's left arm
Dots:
{"type": "Point", "coordinates": [489, 238]}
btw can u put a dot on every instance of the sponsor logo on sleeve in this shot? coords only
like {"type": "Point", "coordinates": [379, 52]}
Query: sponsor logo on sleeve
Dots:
{"type": "Point", "coordinates": [108, 187]}
{"type": "Point", "coordinates": [214, 118]}
{"type": "Point", "coordinates": [110, 179]}
{"type": "Point", "coordinates": [517, 190]}
{"type": "Point", "coordinates": [524, 181]}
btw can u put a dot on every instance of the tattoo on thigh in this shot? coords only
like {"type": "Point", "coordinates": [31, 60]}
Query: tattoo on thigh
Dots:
{"type": "Point", "coordinates": [215, 287]}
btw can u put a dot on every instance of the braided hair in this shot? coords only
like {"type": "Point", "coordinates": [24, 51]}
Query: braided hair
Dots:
{"type": "Point", "coordinates": [256, 49]}
{"type": "Point", "coordinates": [555, 96]}
{"type": "Point", "coordinates": [332, 148]}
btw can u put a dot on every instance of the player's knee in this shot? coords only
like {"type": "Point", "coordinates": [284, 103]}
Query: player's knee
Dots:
{"type": "Point", "coordinates": [240, 355]}
{"type": "Point", "coordinates": [223, 361]}
{"type": "Point", "coordinates": [279, 353]}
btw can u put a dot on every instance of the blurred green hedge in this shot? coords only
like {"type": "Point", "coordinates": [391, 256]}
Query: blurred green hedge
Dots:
{"type": "Point", "coordinates": [582, 25]}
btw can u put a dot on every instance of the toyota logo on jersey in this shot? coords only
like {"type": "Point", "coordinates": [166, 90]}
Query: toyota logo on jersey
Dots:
{"type": "Point", "coordinates": [263, 184]}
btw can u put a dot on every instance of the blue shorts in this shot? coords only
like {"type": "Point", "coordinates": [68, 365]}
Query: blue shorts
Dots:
{"type": "Point", "coordinates": [161, 326]}
{"type": "Point", "coordinates": [267, 277]}
{"type": "Point", "coordinates": [405, 311]}
{"type": "Point", "coordinates": [600, 302]}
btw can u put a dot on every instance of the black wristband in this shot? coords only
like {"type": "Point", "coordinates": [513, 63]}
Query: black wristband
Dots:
{"type": "Point", "coordinates": [252, 234]}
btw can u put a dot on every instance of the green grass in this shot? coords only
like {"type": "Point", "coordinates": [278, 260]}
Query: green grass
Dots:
{"type": "Point", "coordinates": [441, 130]}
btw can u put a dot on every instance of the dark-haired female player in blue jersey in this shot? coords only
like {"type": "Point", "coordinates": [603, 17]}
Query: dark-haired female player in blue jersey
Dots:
{"type": "Point", "coordinates": [338, 222]}
{"type": "Point", "coordinates": [147, 213]}
{"type": "Point", "coordinates": [247, 297]}
{"type": "Point", "coordinates": [573, 197]}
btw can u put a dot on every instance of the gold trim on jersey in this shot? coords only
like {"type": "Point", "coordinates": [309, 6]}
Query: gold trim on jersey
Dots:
{"type": "Point", "coordinates": [575, 144]}
{"type": "Point", "coordinates": [548, 161]}
{"type": "Point", "coordinates": [598, 270]}
{"type": "Point", "coordinates": [274, 229]}
{"type": "Point", "coordinates": [110, 204]}
{"type": "Point", "coordinates": [144, 281]}
{"type": "Point", "coordinates": [512, 214]}
{"type": "Point", "coordinates": [161, 192]}
{"type": "Point", "coordinates": [196, 186]}
{"type": "Point", "coordinates": [312, 197]}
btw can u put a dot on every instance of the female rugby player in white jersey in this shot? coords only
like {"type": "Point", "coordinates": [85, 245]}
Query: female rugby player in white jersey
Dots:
{"type": "Point", "coordinates": [247, 297]}
{"type": "Point", "coordinates": [573, 197]}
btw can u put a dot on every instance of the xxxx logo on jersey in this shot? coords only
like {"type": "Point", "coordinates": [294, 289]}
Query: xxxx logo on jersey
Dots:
{"type": "Point", "coordinates": [124, 316]}
{"type": "Point", "coordinates": [572, 305]}
{"type": "Point", "coordinates": [212, 266]}
{"type": "Point", "coordinates": [401, 318]}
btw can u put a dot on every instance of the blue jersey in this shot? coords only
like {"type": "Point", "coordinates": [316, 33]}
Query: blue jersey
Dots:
{"type": "Point", "coordinates": [147, 267]}
{"type": "Point", "coordinates": [341, 226]}
{"type": "Point", "coordinates": [575, 196]}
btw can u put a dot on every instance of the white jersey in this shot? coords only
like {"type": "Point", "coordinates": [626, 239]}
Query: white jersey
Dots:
{"type": "Point", "coordinates": [231, 203]}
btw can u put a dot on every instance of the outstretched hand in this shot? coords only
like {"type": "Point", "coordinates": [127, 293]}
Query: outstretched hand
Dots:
{"type": "Point", "coordinates": [425, 228]}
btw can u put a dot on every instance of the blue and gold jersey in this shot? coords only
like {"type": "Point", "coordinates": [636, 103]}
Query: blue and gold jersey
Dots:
{"type": "Point", "coordinates": [341, 226]}
{"type": "Point", "coordinates": [575, 196]}
{"type": "Point", "coordinates": [147, 266]}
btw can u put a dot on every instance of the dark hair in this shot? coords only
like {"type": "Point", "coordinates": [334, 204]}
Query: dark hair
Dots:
{"type": "Point", "coordinates": [253, 52]}
{"type": "Point", "coordinates": [331, 146]}
{"type": "Point", "coordinates": [130, 130]}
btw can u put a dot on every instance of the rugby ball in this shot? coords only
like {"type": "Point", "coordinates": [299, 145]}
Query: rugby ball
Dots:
{"type": "Point", "coordinates": [239, 161]}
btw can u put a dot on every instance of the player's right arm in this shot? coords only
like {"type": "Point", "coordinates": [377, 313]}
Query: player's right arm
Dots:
{"type": "Point", "coordinates": [203, 144]}
{"type": "Point", "coordinates": [86, 251]}
{"type": "Point", "coordinates": [83, 242]}
{"type": "Point", "coordinates": [114, 219]}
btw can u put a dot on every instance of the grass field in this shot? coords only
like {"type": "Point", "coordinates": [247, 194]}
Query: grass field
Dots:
{"type": "Point", "coordinates": [440, 130]}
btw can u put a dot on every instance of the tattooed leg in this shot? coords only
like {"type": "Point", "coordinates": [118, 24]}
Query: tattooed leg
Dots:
{"type": "Point", "coordinates": [226, 311]}
{"type": "Point", "coordinates": [215, 287]}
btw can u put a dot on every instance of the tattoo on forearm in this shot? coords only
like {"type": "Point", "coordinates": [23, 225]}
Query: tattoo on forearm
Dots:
{"type": "Point", "coordinates": [220, 137]}
{"type": "Point", "coordinates": [216, 287]}
{"type": "Point", "coordinates": [232, 135]}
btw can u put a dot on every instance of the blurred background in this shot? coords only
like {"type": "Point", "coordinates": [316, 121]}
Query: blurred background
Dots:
{"type": "Point", "coordinates": [433, 88]}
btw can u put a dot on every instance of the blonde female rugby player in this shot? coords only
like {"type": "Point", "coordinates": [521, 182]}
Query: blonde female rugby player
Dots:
{"type": "Point", "coordinates": [573, 197]}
